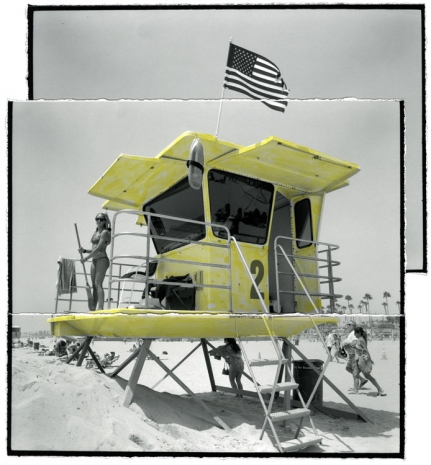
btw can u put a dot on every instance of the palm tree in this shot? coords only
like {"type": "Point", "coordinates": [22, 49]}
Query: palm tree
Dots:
{"type": "Point", "coordinates": [368, 298]}
{"type": "Point", "coordinates": [351, 307]}
{"type": "Point", "coordinates": [386, 295]}
{"type": "Point", "coordinates": [385, 305]}
{"type": "Point", "coordinates": [360, 307]}
{"type": "Point", "coordinates": [348, 298]}
{"type": "Point", "coordinates": [363, 304]}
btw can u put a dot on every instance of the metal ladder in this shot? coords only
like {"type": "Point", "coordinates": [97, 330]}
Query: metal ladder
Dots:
{"type": "Point", "coordinates": [298, 442]}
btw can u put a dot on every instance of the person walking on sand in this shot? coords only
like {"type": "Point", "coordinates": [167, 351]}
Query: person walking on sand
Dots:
{"type": "Point", "coordinates": [336, 346]}
{"type": "Point", "coordinates": [100, 240]}
{"type": "Point", "coordinates": [232, 353]}
{"type": "Point", "coordinates": [349, 346]}
{"type": "Point", "coordinates": [333, 345]}
{"type": "Point", "coordinates": [363, 362]}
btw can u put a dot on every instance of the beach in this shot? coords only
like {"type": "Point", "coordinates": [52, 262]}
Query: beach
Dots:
{"type": "Point", "coordinates": [57, 407]}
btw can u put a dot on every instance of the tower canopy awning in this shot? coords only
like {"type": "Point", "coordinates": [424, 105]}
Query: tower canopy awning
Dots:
{"type": "Point", "coordinates": [132, 180]}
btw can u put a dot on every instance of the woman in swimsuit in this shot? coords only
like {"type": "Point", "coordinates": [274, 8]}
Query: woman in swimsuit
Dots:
{"type": "Point", "coordinates": [363, 362]}
{"type": "Point", "coordinates": [232, 353]}
{"type": "Point", "coordinates": [100, 240]}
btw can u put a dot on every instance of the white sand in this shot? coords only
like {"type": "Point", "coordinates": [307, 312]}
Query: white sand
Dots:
{"type": "Point", "coordinates": [59, 407]}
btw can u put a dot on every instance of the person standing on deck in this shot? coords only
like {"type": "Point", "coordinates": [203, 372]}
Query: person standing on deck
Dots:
{"type": "Point", "coordinates": [100, 240]}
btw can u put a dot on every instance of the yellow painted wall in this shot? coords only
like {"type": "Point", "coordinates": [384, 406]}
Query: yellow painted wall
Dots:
{"type": "Point", "coordinates": [244, 297]}
{"type": "Point", "coordinates": [303, 304]}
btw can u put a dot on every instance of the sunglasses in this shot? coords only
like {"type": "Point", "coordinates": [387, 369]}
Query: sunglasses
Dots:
{"type": "Point", "coordinates": [100, 219]}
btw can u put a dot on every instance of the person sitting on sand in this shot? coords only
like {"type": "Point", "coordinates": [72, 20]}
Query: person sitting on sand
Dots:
{"type": "Point", "coordinates": [60, 348]}
{"type": "Point", "coordinates": [72, 347]}
{"type": "Point", "coordinates": [232, 353]}
{"type": "Point", "coordinates": [349, 346]}
{"type": "Point", "coordinates": [363, 362]}
{"type": "Point", "coordinates": [109, 359]}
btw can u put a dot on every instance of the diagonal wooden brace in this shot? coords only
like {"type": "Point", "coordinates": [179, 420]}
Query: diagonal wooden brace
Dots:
{"type": "Point", "coordinates": [134, 377]}
{"type": "Point", "coordinates": [217, 419]}
{"type": "Point", "coordinates": [330, 383]}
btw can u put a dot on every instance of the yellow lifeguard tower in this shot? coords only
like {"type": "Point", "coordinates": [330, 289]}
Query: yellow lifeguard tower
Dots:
{"type": "Point", "coordinates": [227, 246]}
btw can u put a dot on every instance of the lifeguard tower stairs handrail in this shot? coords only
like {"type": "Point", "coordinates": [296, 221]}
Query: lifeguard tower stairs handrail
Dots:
{"type": "Point", "coordinates": [294, 260]}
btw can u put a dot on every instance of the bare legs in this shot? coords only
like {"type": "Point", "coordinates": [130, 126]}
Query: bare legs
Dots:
{"type": "Point", "coordinates": [350, 368]}
{"type": "Point", "coordinates": [374, 383]}
{"type": "Point", "coordinates": [334, 354]}
{"type": "Point", "coordinates": [369, 377]}
{"type": "Point", "coordinates": [98, 273]}
{"type": "Point", "coordinates": [235, 374]}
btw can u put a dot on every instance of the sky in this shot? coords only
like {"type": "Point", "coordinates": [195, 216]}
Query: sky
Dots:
{"type": "Point", "coordinates": [375, 84]}
{"type": "Point", "coordinates": [180, 54]}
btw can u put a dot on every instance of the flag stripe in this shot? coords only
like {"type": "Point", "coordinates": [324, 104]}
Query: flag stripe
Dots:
{"type": "Point", "coordinates": [260, 90]}
{"type": "Point", "coordinates": [270, 88]}
{"type": "Point", "coordinates": [269, 72]}
{"type": "Point", "coordinates": [255, 76]}
{"type": "Point", "coordinates": [266, 62]}
{"type": "Point", "coordinates": [243, 89]}
{"type": "Point", "coordinates": [254, 94]}
{"type": "Point", "coordinates": [279, 106]}
{"type": "Point", "coordinates": [262, 77]}
{"type": "Point", "coordinates": [264, 83]}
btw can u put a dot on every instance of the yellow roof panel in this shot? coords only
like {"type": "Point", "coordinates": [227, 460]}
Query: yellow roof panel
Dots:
{"type": "Point", "coordinates": [132, 180]}
{"type": "Point", "coordinates": [289, 165]}
{"type": "Point", "coordinates": [213, 147]}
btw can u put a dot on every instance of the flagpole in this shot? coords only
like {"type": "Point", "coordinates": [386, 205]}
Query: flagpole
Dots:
{"type": "Point", "coordinates": [222, 95]}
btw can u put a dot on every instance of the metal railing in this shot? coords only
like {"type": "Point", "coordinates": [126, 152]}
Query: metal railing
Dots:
{"type": "Point", "coordinates": [74, 298]}
{"type": "Point", "coordinates": [146, 258]}
{"type": "Point", "coordinates": [140, 265]}
{"type": "Point", "coordinates": [294, 263]}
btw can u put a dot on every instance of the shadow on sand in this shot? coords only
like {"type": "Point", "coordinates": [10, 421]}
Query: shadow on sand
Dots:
{"type": "Point", "coordinates": [165, 408]}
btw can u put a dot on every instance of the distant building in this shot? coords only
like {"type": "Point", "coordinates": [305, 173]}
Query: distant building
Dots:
{"type": "Point", "coordinates": [16, 332]}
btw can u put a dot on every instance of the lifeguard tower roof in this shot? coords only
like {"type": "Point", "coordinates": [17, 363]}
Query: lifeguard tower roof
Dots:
{"type": "Point", "coordinates": [299, 170]}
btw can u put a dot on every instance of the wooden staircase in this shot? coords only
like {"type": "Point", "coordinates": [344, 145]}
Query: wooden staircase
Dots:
{"type": "Point", "coordinates": [292, 416]}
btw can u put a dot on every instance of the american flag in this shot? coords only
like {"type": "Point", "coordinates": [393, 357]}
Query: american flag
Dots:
{"type": "Point", "coordinates": [256, 76]}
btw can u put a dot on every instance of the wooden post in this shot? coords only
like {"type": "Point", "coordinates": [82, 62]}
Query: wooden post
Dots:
{"type": "Point", "coordinates": [83, 349]}
{"type": "Point", "coordinates": [96, 360]}
{"type": "Point", "coordinates": [208, 363]}
{"type": "Point", "coordinates": [124, 364]}
{"type": "Point", "coordinates": [287, 354]}
{"type": "Point", "coordinates": [134, 377]}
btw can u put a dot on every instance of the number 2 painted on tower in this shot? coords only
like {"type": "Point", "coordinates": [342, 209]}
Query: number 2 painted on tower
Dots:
{"type": "Point", "coordinates": [256, 268]}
